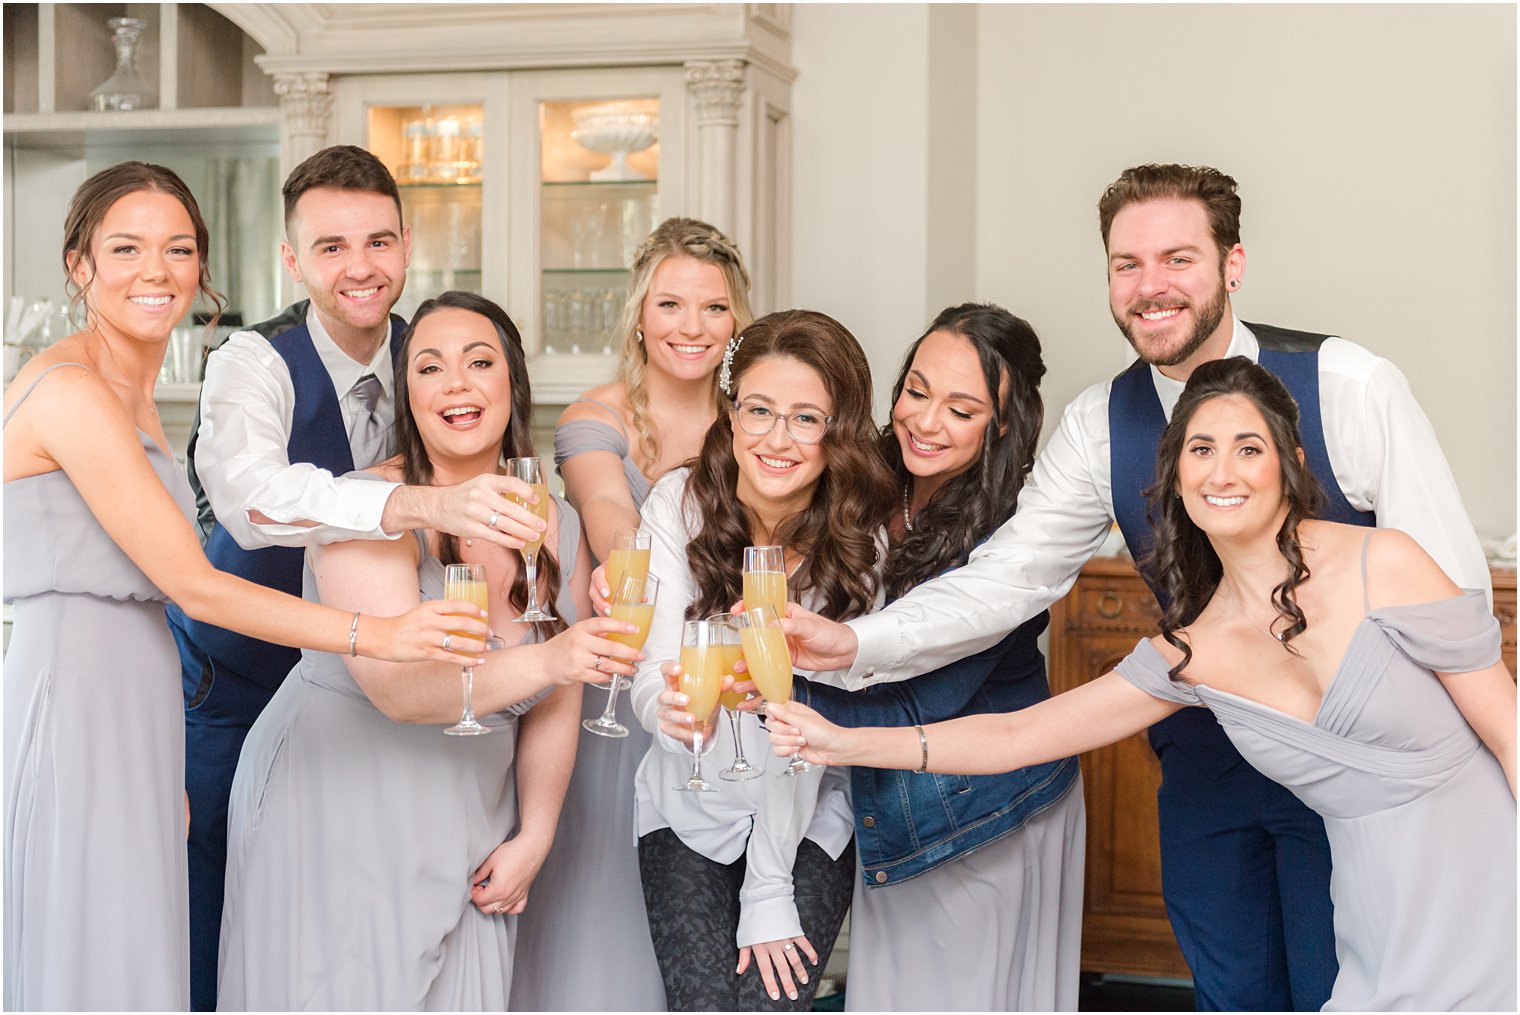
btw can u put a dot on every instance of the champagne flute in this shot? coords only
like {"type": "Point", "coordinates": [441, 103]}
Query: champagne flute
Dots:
{"type": "Point", "coordinates": [633, 599]}
{"type": "Point", "coordinates": [629, 554]}
{"type": "Point", "coordinates": [466, 582]}
{"type": "Point", "coordinates": [701, 679]}
{"type": "Point", "coordinates": [731, 652]}
{"type": "Point", "coordinates": [770, 664]}
{"type": "Point", "coordinates": [531, 471]}
{"type": "Point", "coordinates": [765, 578]}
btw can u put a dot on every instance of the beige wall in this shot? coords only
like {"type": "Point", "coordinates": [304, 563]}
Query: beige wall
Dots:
{"type": "Point", "coordinates": [1338, 121]}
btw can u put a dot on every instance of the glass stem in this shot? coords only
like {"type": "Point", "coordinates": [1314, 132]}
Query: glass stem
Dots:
{"type": "Point", "coordinates": [468, 718]}
{"type": "Point", "coordinates": [696, 756]}
{"type": "Point", "coordinates": [733, 724]}
{"type": "Point", "coordinates": [530, 566]}
{"type": "Point", "coordinates": [609, 714]}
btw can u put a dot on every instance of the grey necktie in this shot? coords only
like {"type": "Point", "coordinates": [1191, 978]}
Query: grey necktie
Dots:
{"type": "Point", "coordinates": [370, 447]}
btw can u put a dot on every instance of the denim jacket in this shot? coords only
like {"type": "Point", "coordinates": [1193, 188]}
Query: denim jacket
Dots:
{"type": "Point", "coordinates": [907, 823]}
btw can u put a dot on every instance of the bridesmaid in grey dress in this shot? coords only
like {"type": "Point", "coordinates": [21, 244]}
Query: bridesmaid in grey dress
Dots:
{"type": "Point", "coordinates": [688, 295]}
{"type": "Point", "coordinates": [97, 537]}
{"type": "Point", "coordinates": [1345, 665]}
{"type": "Point", "coordinates": [373, 862]}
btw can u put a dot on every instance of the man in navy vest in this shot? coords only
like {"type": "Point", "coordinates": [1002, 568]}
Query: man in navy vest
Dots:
{"type": "Point", "coordinates": [1245, 866]}
{"type": "Point", "coordinates": [287, 408]}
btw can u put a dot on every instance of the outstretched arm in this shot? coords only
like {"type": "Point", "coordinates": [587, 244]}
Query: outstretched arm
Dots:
{"type": "Point", "coordinates": [104, 458]}
{"type": "Point", "coordinates": [1085, 718]}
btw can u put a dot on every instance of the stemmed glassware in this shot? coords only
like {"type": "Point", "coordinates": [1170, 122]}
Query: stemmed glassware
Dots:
{"type": "Point", "coordinates": [770, 664]}
{"type": "Point", "coordinates": [633, 599]}
{"type": "Point", "coordinates": [531, 471]}
{"type": "Point", "coordinates": [466, 582]}
{"type": "Point", "coordinates": [701, 679]}
{"type": "Point", "coordinates": [629, 555]}
{"type": "Point", "coordinates": [730, 651]}
{"type": "Point", "coordinates": [765, 578]}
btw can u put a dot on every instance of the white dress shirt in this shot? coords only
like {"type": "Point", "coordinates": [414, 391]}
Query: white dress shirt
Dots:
{"type": "Point", "coordinates": [764, 819]}
{"type": "Point", "coordinates": [1382, 448]}
{"type": "Point", "coordinates": [247, 402]}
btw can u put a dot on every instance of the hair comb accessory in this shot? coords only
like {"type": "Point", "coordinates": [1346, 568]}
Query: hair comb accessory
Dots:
{"type": "Point", "coordinates": [726, 375]}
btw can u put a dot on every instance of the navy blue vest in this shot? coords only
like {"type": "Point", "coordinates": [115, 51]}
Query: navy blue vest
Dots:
{"type": "Point", "coordinates": [1135, 422]}
{"type": "Point", "coordinates": [318, 437]}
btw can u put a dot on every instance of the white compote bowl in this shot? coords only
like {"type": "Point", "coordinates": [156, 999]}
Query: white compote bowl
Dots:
{"type": "Point", "coordinates": [619, 128]}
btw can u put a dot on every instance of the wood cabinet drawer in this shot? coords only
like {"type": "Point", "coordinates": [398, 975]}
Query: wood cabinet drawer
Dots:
{"type": "Point", "coordinates": [1104, 604]}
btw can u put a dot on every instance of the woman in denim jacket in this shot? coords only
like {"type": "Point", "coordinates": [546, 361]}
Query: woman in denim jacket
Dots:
{"type": "Point", "coordinates": [971, 895]}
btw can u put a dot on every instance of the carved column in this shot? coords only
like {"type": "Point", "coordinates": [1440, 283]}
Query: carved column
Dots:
{"type": "Point", "coordinates": [306, 101]}
{"type": "Point", "coordinates": [718, 89]}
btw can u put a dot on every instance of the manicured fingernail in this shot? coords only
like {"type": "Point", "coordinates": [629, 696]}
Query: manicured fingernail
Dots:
{"type": "Point", "coordinates": [775, 996]}
{"type": "Point", "coordinates": [792, 994]}
{"type": "Point", "coordinates": [738, 969]}
{"type": "Point", "coordinates": [802, 977]}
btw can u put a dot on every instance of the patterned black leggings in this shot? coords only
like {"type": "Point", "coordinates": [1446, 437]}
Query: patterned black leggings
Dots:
{"type": "Point", "coordinates": [693, 905]}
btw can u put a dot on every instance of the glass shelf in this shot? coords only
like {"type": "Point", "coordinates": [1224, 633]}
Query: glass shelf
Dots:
{"type": "Point", "coordinates": [589, 227]}
{"type": "Point", "coordinates": [437, 186]}
{"type": "Point", "coordinates": [651, 184]}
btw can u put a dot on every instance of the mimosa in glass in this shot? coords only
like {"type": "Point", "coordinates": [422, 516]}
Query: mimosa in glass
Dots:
{"type": "Point", "coordinates": [633, 599]}
{"type": "Point", "coordinates": [531, 471]}
{"type": "Point", "coordinates": [730, 651]}
{"type": "Point", "coordinates": [701, 680]}
{"type": "Point", "coordinates": [770, 664]}
{"type": "Point", "coordinates": [466, 582]}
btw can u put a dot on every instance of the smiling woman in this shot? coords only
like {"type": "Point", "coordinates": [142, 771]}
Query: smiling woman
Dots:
{"type": "Point", "coordinates": [342, 771]}
{"type": "Point", "coordinates": [793, 462]}
{"type": "Point", "coordinates": [97, 538]}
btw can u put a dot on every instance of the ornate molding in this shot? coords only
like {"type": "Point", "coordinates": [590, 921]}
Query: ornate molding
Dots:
{"type": "Point", "coordinates": [718, 88]}
{"type": "Point", "coordinates": [306, 100]}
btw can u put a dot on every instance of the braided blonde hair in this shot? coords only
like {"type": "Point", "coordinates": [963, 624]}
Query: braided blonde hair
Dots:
{"type": "Point", "coordinates": [675, 237]}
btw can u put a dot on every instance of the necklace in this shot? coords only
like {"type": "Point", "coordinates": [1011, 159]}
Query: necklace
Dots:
{"type": "Point", "coordinates": [907, 516]}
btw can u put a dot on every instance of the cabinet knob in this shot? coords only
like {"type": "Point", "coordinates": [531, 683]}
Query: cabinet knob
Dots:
{"type": "Point", "coordinates": [1110, 605]}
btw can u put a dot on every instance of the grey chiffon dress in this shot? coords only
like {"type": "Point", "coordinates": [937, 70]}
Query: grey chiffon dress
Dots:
{"type": "Point", "coordinates": [1419, 815]}
{"type": "Point", "coordinates": [95, 879]}
{"type": "Point", "coordinates": [351, 841]}
{"type": "Point", "coordinates": [996, 929]}
{"type": "Point", "coordinates": [583, 942]}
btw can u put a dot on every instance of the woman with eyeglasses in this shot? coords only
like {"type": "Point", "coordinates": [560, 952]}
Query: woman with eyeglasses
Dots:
{"type": "Point", "coordinates": [688, 295]}
{"type": "Point", "coordinates": [746, 887]}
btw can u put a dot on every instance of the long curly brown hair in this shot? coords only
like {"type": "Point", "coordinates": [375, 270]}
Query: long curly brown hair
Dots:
{"type": "Point", "coordinates": [966, 509]}
{"type": "Point", "coordinates": [837, 530]}
{"type": "Point", "coordinates": [516, 441]}
{"type": "Point", "coordinates": [1183, 560]}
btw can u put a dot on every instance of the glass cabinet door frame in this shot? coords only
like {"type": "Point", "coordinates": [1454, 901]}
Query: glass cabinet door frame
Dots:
{"type": "Point", "coordinates": [356, 94]}
{"type": "Point", "coordinates": [559, 379]}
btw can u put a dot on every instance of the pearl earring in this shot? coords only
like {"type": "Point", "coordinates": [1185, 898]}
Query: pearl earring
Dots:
{"type": "Point", "coordinates": [638, 332]}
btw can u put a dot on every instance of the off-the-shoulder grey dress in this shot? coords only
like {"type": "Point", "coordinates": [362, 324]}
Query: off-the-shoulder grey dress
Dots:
{"type": "Point", "coordinates": [1420, 818]}
{"type": "Point", "coordinates": [95, 877]}
{"type": "Point", "coordinates": [351, 841]}
{"type": "Point", "coordinates": [584, 940]}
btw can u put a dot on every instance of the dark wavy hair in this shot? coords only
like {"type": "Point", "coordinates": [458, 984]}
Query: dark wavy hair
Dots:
{"type": "Point", "coordinates": [837, 531]}
{"type": "Point", "coordinates": [88, 207]}
{"type": "Point", "coordinates": [1183, 560]}
{"type": "Point", "coordinates": [516, 442]}
{"type": "Point", "coordinates": [966, 509]}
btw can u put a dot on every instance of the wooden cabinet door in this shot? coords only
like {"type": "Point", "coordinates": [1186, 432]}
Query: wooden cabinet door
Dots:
{"type": "Point", "coordinates": [1124, 927]}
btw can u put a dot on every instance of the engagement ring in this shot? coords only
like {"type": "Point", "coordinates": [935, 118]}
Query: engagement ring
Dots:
{"type": "Point", "coordinates": [491, 521]}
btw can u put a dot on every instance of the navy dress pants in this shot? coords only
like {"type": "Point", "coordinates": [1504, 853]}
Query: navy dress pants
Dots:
{"type": "Point", "coordinates": [220, 708]}
{"type": "Point", "coordinates": [1245, 870]}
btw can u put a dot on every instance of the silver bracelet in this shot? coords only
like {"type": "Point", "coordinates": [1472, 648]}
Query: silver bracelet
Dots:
{"type": "Point", "coordinates": [353, 637]}
{"type": "Point", "coordinates": [923, 745]}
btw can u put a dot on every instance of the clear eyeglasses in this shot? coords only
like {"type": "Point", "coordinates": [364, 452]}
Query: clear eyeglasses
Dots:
{"type": "Point", "coordinates": [758, 419]}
